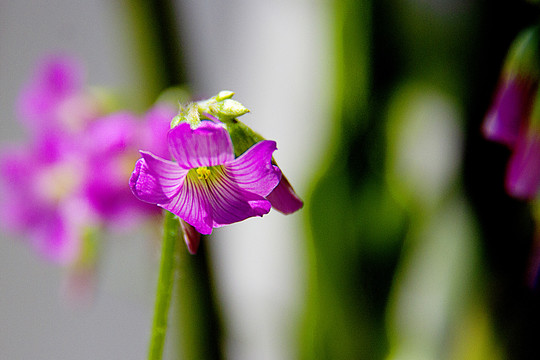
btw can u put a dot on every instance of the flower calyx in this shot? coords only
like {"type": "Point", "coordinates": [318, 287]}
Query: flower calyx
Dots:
{"type": "Point", "coordinates": [222, 106]}
{"type": "Point", "coordinates": [188, 113]}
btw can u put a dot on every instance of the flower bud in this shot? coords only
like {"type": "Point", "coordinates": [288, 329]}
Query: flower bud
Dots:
{"type": "Point", "coordinates": [189, 114]}
{"type": "Point", "coordinates": [222, 107]}
{"type": "Point", "coordinates": [228, 109]}
{"type": "Point", "coordinates": [523, 174]}
{"type": "Point", "coordinates": [224, 94]}
{"type": "Point", "coordinates": [191, 237]}
{"type": "Point", "coordinates": [516, 89]}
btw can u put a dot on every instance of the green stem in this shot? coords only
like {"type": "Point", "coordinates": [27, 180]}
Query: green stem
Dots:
{"type": "Point", "coordinates": [164, 286]}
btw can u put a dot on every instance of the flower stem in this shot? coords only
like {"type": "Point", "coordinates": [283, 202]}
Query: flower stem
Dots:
{"type": "Point", "coordinates": [164, 286]}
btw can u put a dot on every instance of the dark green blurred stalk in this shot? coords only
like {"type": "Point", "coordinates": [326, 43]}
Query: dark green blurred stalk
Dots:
{"type": "Point", "coordinates": [159, 61]}
{"type": "Point", "coordinates": [154, 38]}
{"type": "Point", "coordinates": [355, 228]}
{"type": "Point", "coordinates": [200, 331]}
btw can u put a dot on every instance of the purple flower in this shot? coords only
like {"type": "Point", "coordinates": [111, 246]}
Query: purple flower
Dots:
{"type": "Point", "coordinates": [112, 144]}
{"type": "Point", "coordinates": [156, 125]}
{"type": "Point", "coordinates": [523, 173]}
{"type": "Point", "coordinates": [42, 200]}
{"type": "Point", "coordinates": [206, 186]}
{"type": "Point", "coordinates": [284, 199]}
{"type": "Point", "coordinates": [514, 116]}
{"type": "Point", "coordinates": [509, 122]}
{"type": "Point", "coordinates": [70, 177]}
{"type": "Point", "coordinates": [110, 147]}
{"type": "Point", "coordinates": [55, 100]}
{"type": "Point", "coordinates": [511, 106]}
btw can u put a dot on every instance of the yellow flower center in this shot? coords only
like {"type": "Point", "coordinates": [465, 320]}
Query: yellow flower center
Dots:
{"type": "Point", "coordinates": [203, 173]}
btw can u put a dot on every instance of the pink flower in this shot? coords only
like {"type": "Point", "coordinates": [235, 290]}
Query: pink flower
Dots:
{"type": "Point", "coordinates": [206, 186]}
{"type": "Point", "coordinates": [514, 117]}
{"type": "Point", "coordinates": [523, 173]}
{"type": "Point", "coordinates": [71, 176]}
{"type": "Point", "coordinates": [55, 99]}
{"type": "Point", "coordinates": [112, 144]}
{"type": "Point", "coordinates": [42, 199]}
{"type": "Point", "coordinates": [284, 199]}
{"type": "Point", "coordinates": [511, 106]}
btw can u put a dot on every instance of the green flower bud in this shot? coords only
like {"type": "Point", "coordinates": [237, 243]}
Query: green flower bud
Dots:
{"type": "Point", "coordinates": [222, 107]}
{"type": "Point", "coordinates": [189, 114]}
{"type": "Point", "coordinates": [523, 57]}
{"type": "Point", "coordinates": [224, 94]}
{"type": "Point", "coordinates": [228, 109]}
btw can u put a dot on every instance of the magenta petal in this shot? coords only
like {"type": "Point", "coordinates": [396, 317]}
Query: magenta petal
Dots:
{"type": "Point", "coordinates": [55, 78]}
{"type": "Point", "coordinates": [157, 122]}
{"type": "Point", "coordinates": [231, 204]}
{"type": "Point", "coordinates": [56, 240]}
{"type": "Point", "coordinates": [156, 180]}
{"type": "Point", "coordinates": [191, 204]}
{"type": "Point", "coordinates": [113, 133]}
{"type": "Point", "coordinates": [60, 75]}
{"type": "Point", "coordinates": [191, 237]}
{"type": "Point", "coordinates": [253, 170]}
{"type": "Point", "coordinates": [511, 106]}
{"type": "Point", "coordinates": [523, 175]}
{"type": "Point", "coordinates": [207, 145]}
{"type": "Point", "coordinates": [284, 199]}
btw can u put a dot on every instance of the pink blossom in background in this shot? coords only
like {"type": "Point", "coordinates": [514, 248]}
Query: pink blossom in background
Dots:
{"type": "Point", "coordinates": [71, 174]}
{"type": "Point", "coordinates": [514, 117]}
{"type": "Point", "coordinates": [511, 107]}
{"type": "Point", "coordinates": [40, 196]}
{"type": "Point", "coordinates": [523, 174]}
{"type": "Point", "coordinates": [112, 145]}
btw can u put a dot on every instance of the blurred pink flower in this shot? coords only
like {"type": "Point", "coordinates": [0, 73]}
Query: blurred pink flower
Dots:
{"type": "Point", "coordinates": [514, 117]}
{"type": "Point", "coordinates": [72, 174]}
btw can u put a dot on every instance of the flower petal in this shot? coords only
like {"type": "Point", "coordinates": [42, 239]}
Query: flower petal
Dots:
{"type": "Point", "coordinates": [56, 240]}
{"type": "Point", "coordinates": [191, 237]}
{"type": "Point", "coordinates": [504, 119]}
{"type": "Point", "coordinates": [156, 180]}
{"type": "Point", "coordinates": [284, 199]}
{"type": "Point", "coordinates": [207, 145]}
{"type": "Point", "coordinates": [523, 175]}
{"type": "Point", "coordinates": [111, 134]}
{"type": "Point", "coordinates": [191, 205]}
{"type": "Point", "coordinates": [230, 203]}
{"type": "Point", "coordinates": [156, 125]}
{"type": "Point", "coordinates": [55, 78]}
{"type": "Point", "coordinates": [253, 170]}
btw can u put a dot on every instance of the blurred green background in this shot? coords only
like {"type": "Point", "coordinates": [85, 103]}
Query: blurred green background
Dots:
{"type": "Point", "coordinates": [407, 246]}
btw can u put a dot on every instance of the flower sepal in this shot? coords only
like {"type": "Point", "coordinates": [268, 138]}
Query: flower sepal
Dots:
{"type": "Point", "coordinates": [283, 198]}
{"type": "Point", "coordinates": [189, 114]}
{"type": "Point", "coordinates": [222, 106]}
{"type": "Point", "coordinates": [523, 56]}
